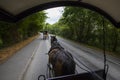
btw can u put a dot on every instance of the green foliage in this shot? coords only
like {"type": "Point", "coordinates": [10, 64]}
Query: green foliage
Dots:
{"type": "Point", "coordinates": [1, 42]}
{"type": "Point", "coordinates": [11, 33]}
{"type": "Point", "coordinates": [32, 24]}
{"type": "Point", "coordinates": [86, 26]}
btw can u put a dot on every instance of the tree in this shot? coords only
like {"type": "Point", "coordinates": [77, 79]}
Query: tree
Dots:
{"type": "Point", "coordinates": [87, 26]}
{"type": "Point", "coordinates": [11, 33]}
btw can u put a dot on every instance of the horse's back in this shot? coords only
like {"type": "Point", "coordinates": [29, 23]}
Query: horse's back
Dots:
{"type": "Point", "coordinates": [63, 58]}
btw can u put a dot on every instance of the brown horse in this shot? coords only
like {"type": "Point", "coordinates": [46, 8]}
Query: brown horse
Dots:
{"type": "Point", "coordinates": [61, 60]}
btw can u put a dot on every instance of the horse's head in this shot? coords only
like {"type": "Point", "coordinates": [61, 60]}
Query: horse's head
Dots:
{"type": "Point", "coordinates": [53, 38]}
{"type": "Point", "coordinates": [55, 44]}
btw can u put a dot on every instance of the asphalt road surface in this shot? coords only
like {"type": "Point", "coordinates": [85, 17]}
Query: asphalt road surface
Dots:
{"type": "Point", "coordinates": [92, 59]}
{"type": "Point", "coordinates": [31, 61]}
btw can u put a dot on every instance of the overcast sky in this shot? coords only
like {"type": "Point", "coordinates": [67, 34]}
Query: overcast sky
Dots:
{"type": "Point", "coordinates": [53, 14]}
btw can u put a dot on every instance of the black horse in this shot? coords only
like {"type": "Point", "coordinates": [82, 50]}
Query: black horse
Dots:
{"type": "Point", "coordinates": [61, 60]}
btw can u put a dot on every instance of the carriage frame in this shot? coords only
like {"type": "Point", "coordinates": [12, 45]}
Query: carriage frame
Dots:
{"type": "Point", "coordinates": [90, 75]}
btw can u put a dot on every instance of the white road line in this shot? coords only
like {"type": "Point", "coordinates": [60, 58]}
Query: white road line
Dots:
{"type": "Point", "coordinates": [21, 77]}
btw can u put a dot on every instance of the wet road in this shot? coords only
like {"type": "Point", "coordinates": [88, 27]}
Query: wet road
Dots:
{"type": "Point", "coordinates": [92, 59]}
{"type": "Point", "coordinates": [38, 65]}
{"type": "Point", "coordinates": [14, 67]}
{"type": "Point", "coordinates": [31, 61]}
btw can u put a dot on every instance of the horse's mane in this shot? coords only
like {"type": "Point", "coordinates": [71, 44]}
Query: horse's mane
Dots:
{"type": "Point", "coordinates": [56, 45]}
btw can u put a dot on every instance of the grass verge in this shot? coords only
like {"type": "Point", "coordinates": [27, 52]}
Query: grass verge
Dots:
{"type": "Point", "coordinates": [7, 52]}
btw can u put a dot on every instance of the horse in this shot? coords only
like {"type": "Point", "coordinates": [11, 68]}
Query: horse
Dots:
{"type": "Point", "coordinates": [61, 60]}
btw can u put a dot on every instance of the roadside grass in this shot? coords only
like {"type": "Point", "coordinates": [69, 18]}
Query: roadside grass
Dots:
{"type": "Point", "coordinates": [7, 52]}
{"type": "Point", "coordinates": [115, 54]}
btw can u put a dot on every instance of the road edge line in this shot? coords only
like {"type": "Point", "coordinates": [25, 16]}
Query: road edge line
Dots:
{"type": "Point", "coordinates": [21, 77]}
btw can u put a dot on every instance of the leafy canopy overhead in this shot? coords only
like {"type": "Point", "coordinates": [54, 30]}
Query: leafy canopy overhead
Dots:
{"type": "Point", "coordinates": [86, 26]}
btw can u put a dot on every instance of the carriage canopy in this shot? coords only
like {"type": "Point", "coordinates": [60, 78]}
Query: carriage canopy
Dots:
{"type": "Point", "coordinates": [14, 10]}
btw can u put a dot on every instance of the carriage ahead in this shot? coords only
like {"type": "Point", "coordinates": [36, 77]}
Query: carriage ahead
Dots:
{"type": "Point", "coordinates": [45, 35]}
